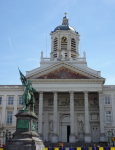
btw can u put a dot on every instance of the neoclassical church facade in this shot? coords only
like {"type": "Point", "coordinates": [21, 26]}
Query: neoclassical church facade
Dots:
{"type": "Point", "coordinates": [72, 102]}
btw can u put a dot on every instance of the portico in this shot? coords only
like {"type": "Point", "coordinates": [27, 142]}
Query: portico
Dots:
{"type": "Point", "coordinates": [69, 108]}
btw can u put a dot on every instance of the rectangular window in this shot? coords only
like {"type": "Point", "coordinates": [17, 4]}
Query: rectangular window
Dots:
{"type": "Point", "coordinates": [9, 117]}
{"type": "Point", "coordinates": [0, 116]}
{"type": "Point", "coordinates": [0, 100]}
{"type": "Point", "coordinates": [10, 100]}
{"type": "Point", "coordinates": [20, 100]}
{"type": "Point", "coordinates": [107, 100]}
{"type": "Point", "coordinates": [108, 116]}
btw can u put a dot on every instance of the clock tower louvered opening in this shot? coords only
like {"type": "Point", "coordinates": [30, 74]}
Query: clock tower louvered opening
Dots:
{"type": "Point", "coordinates": [55, 44]}
{"type": "Point", "coordinates": [73, 45]}
{"type": "Point", "coordinates": [63, 45]}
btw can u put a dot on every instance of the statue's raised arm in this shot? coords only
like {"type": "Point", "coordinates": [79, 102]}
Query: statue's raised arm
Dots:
{"type": "Point", "coordinates": [22, 78]}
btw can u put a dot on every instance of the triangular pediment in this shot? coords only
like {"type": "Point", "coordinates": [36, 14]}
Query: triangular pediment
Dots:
{"type": "Point", "coordinates": [63, 73]}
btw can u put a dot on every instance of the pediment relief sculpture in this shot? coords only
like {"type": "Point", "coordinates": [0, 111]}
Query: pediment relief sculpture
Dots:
{"type": "Point", "coordinates": [66, 102]}
{"type": "Point", "coordinates": [93, 102]}
{"type": "Point", "coordinates": [63, 73]}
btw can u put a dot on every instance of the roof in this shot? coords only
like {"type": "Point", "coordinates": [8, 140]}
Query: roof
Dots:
{"type": "Point", "coordinates": [64, 27]}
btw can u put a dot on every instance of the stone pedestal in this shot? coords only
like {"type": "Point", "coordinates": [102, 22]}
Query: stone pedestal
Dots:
{"type": "Point", "coordinates": [103, 137]}
{"type": "Point", "coordinates": [81, 137]}
{"type": "Point", "coordinates": [87, 138]}
{"type": "Point", "coordinates": [55, 138]}
{"type": "Point", "coordinates": [72, 138]}
{"type": "Point", "coordinates": [25, 137]}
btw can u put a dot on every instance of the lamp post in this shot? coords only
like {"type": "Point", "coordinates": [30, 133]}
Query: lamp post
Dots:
{"type": "Point", "coordinates": [7, 136]}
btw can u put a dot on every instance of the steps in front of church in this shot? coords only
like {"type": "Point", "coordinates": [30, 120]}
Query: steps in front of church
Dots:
{"type": "Point", "coordinates": [77, 144]}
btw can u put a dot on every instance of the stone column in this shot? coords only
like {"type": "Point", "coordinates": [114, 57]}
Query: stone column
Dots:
{"type": "Point", "coordinates": [72, 130]}
{"type": "Point", "coordinates": [40, 118]}
{"type": "Point", "coordinates": [15, 103]}
{"type": "Point", "coordinates": [101, 114]}
{"type": "Point", "coordinates": [87, 126]}
{"type": "Point", "coordinates": [55, 138]}
{"type": "Point", "coordinates": [77, 46]}
{"type": "Point", "coordinates": [52, 44]}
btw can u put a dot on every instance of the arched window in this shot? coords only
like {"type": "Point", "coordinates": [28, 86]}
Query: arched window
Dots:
{"type": "Point", "coordinates": [55, 44]}
{"type": "Point", "coordinates": [73, 45]}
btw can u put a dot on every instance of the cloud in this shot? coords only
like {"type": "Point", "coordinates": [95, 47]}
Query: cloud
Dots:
{"type": "Point", "coordinates": [10, 44]}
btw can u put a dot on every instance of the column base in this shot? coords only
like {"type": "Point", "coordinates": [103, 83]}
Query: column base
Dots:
{"type": "Point", "coordinates": [103, 137]}
{"type": "Point", "coordinates": [72, 138]}
{"type": "Point", "coordinates": [87, 138]}
{"type": "Point", "coordinates": [41, 136]}
{"type": "Point", "coordinates": [81, 136]}
{"type": "Point", "coordinates": [55, 138]}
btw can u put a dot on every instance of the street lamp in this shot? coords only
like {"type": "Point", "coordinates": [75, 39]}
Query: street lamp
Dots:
{"type": "Point", "coordinates": [7, 136]}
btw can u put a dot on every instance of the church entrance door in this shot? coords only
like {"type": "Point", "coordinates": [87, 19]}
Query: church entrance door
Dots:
{"type": "Point", "coordinates": [65, 129]}
{"type": "Point", "coordinates": [68, 133]}
{"type": "Point", "coordinates": [95, 134]}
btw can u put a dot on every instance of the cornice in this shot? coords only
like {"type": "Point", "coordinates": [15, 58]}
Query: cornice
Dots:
{"type": "Point", "coordinates": [63, 64]}
{"type": "Point", "coordinates": [11, 88]}
{"type": "Point", "coordinates": [7, 89]}
{"type": "Point", "coordinates": [73, 81]}
{"type": "Point", "coordinates": [108, 89]}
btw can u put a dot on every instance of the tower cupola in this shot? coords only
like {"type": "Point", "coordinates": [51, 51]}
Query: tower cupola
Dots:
{"type": "Point", "coordinates": [64, 42]}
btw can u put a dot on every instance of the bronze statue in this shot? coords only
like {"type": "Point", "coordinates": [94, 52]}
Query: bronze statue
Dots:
{"type": "Point", "coordinates": [28, 96]}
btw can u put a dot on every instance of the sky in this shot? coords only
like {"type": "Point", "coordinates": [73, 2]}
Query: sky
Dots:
{"type": "Point", "coordinates": [24, 25]}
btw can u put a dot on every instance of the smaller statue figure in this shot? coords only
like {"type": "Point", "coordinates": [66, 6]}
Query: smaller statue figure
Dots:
{"type": "Point", "coordinates": [81, 125]}
{"type": "Point", "coordinates": [42, 55]}
{"type": "Point", "coordinates": [63, 54]}
{"type": "Point", "coordinates": [51, 125]}
{"type": "Point", "coordinates": [84, 54]}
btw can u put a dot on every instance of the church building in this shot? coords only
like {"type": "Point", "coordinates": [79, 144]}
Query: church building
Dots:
{"type": "Point", "coordinates": [72, 103]}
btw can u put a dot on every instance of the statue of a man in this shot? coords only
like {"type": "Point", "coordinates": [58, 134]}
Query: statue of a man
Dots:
{"type": "Point", "coordinates": [28, 96]}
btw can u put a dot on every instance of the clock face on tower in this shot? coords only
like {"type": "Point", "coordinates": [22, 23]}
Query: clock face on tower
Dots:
{"type": "Point", "coordinates": [63, 39]}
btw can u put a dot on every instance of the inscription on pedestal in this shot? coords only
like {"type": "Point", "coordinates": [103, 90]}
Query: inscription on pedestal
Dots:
{"type": "Point", "coordinates": [22, 125]}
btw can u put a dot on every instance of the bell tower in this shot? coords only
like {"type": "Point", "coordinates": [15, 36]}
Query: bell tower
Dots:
{"type": "Point", "coordinates": [64, 42]}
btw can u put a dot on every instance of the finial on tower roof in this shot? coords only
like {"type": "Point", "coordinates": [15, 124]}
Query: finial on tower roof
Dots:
{"type": "Point", "coordinates": [65, 20]}
{"type": "Point", "coordinates": [65, 13]}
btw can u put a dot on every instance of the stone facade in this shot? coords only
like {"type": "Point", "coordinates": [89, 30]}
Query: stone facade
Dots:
{"type": "Point", "coordinates": [72, 100]}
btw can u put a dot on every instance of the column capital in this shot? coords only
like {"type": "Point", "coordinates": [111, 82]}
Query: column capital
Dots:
{"type": "Point", "coordinates": [55, 92]}
{"type": "Point", "coordinates": [85, 92]}
{"type": "Point", "coordinates": [40, 92]}
{"type": "Point", "coordinates": [100, 92]}
{"type": "Point", "coordinates": [71, 92]}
